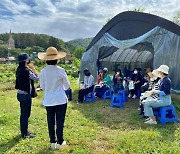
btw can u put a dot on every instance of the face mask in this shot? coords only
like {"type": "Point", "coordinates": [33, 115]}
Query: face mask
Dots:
{"type": "Point", "coordinates": [151, 79]}
{"type": "Point", "coordinates": [155, 78]}
{"type": "Point", "coordinates": [135, 72]}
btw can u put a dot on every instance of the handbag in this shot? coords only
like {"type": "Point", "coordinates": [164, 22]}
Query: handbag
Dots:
{"type": "Point", "coordinates": [131, 85]}
{"type": "Point", "coordinates": [33, 90]}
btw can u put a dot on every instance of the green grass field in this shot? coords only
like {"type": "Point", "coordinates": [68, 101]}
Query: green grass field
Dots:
{"type": "Point", "coordinates": [89, 128]}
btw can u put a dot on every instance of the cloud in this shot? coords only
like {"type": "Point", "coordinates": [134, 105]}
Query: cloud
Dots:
{"type": "Point", "coordinates": [67, 19]}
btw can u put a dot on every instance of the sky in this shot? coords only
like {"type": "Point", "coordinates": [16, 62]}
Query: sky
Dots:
{"type": "Point", "coordinates": [71, 19]}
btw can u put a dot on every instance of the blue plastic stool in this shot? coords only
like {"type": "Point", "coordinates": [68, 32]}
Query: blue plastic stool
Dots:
{"type": "Point", "coordinates": [166, 114]}
{"type": "Point", "coordinates": [89, 97]}
{"type": "Point", "coordinates": [107, 94]}
{"type": "Point", "coordinates": [117, 100]}
{"type": "Point", "coordinates": [124, 95]}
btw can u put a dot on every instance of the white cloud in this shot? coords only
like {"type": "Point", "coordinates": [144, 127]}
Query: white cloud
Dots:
{"type": "Point", "coordinates": [69, 19]}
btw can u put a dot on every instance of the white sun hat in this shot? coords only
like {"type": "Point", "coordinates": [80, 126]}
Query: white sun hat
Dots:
{"type": "Point", "coordinates": [164, 69]}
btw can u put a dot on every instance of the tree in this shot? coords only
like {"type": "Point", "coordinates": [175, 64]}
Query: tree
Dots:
{"type": "Point", "coordinates": [3, 51]}
{"type": "Point", "coordinates": [176, 18]}
{"type": "Point", "coordinates": [15, 52]}
{"type": "Point", "coordinates": [78, 52]}
{"type": "Point", "coordinates": [28, 50]}
{"type": "Point", "coordinates": [139, 10]}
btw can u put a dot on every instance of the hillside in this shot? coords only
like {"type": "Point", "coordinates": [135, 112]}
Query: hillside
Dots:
{"type": "Point", "coordinates": [80, 42]}
{"type": "Point", "coordinates": [30, 42]}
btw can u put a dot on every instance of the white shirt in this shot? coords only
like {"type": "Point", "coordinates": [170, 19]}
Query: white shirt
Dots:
{"type": "Point", "coordinates": [88, 81]}
{"type": "Point", "coordinates": [54, 82]}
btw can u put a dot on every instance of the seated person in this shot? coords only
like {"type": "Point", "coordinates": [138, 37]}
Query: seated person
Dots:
{"type": "Point", "coordinates": [118, 81]}
{"type": "Point", "coordinates": [137, 79]}
{"type": "Point", "coordinates": [164, 93]}
{"type": "Point", "coordinates": [104, 85]}
{"type": "Point", "coordinates": [87, 87]}
{"type": "Point", "coordinates": [100, 77]}
{"type": "Point", "coordinates": [154, 85]}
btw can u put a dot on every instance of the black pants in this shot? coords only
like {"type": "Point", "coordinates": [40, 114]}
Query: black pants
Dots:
{"type": "Point", "coordinates": [25, 105]}
{"type": "Point", "coordinates": [84, 92]}
{"type": "Point", "coordinates": [56, 114]}
{"type": "Point", "coordinates": [100, 91]}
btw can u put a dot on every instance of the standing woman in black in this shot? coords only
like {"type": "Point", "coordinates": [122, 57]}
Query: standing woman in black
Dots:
{"type": "Point", "coordinates": [26, 74]}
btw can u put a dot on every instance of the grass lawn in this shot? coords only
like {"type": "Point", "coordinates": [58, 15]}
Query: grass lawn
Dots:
{"type": "Point", "coordinates": [89, 128]}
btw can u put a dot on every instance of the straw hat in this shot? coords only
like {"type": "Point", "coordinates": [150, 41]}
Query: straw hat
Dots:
{"type": "Point", "coordinates": [164, 69]}
{"type": "Point", "coordinates": [51, 54]}
{"type": "Point", "coordinates": [155, 73]}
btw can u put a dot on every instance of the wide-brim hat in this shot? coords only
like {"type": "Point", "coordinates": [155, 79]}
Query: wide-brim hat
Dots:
{"type": "Point", "coordinates": [164, 69]}
{"type": "Point", "coordinates": [51, 54]}
{"type": "Point", "coordinates": [155, 73]}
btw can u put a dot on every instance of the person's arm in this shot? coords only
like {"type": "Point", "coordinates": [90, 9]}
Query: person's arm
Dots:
{"type": "Point", "coordinates": [66, 82]}
{"type": "Point", "coordinates": [33, 76]}
{"type": "Point", "coordinates": [91, 81]}
{"type": "Point", "coordinates": [33, 69]}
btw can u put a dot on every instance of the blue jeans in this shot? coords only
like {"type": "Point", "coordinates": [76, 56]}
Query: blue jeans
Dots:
{"type": "Point", "coordinates": [56, 114]}
{"type": "Point", "coordinates": [25, 105]}
{"type": "Point", "coordinates": [161, 102]}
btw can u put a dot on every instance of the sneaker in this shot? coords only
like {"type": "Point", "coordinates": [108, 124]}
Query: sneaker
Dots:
{"type": "Point", "coordinates": [151, 122]}
{"type": "Point", "coordinates": [29, 135]}
{"type": "Point", "coordinates": [53, 145]}
{"type": "Point", "coordinates": [148, 119]}
{"type": "Point", "coordinates": [134, 97]}
{"type": "Point", "coordinates": [129, 96]}
{"type": "Point", "coordinates": [58, 146]}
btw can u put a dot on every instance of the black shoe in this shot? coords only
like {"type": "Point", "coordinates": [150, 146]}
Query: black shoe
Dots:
{"type": "Point", "coordinates": [28, 135]}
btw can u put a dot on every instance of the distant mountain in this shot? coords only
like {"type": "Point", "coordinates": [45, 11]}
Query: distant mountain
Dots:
{"type": "Point", "coordinates": [80, 42]}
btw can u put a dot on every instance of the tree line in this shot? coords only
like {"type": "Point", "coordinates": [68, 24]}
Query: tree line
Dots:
{"type": "Point", "coordinates": [33, 43]}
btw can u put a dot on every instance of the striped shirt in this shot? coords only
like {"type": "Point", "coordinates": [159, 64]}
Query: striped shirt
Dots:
{"type": "Point", "coordinates": [155, 86]}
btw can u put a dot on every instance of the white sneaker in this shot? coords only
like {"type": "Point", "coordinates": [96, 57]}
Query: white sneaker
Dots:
{"type": "Point", "coordinates": [151, 122]}
{"type": "Point", "coordinates": [129, 96]}
{"type": "Point", "coordinates": [58, 146]}
{"type": "Point", "coordinates": [53, 145]}
{"type": "Point", "coordinates": [148, 119]}
{"type": "Point", "coordinates": [134, 97]}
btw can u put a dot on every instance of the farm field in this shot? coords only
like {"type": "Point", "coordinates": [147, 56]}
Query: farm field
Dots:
{"type": "Point", "coordinates": [94, 128]}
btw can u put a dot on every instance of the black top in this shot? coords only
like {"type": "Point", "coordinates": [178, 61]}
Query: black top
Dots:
{"type": "Point", "coordinates": [165, 85]}
{"type": "Point", "coordinates": [22, 79]}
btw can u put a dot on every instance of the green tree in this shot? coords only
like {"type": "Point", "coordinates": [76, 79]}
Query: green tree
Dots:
{"type": "Point", "coordinates": [15, 52]}
{"type": "Point", "coordinates": [28, 50]}
{"type": "Point", "coordinates": [176, 18]}
{"type": "Point", "coordinates": [3, 51]}
{"type": "Point", "coordinates": [78, 52]}
{"type": "Point", "coordinates": [139, 9]}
